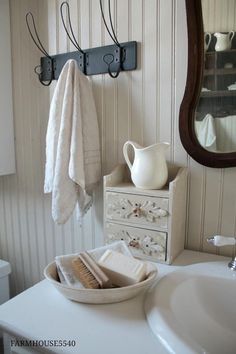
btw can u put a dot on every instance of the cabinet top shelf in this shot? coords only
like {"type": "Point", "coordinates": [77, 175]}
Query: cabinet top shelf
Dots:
{"type": "Point", "coordinates": [221, 93]}
{"type": "Point", "coordinates": [223, 71]}
{"type": "Point", "coordinates": [214, 52]}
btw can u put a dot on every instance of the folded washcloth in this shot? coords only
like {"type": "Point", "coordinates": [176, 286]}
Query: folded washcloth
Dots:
{"type": "Point", "coordinates": [118, 246]}
{"type": "Point", "coordinates": [73, 165]}
{"type": "Point", "coordinates": [65, 270]}
{"type": "Point", "coordinates": [64, 262]}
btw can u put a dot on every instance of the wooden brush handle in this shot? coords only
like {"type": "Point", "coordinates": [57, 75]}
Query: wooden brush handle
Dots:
{"type": "Point", "coordinates": [93, 267]}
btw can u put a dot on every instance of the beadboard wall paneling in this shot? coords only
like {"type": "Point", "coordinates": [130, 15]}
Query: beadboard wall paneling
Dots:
{"type": "Point", "coordinates": [142, 105]}
{"type": "Point", "coordinates": [224, 18]}
{"type": "Point", "coordinates": [7, 156]}
{"type": "Point", "coordinates": [218, 201]}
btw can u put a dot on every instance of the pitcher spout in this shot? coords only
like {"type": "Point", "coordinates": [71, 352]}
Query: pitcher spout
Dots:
{"type": "Point", "coordinates": [164, 146]}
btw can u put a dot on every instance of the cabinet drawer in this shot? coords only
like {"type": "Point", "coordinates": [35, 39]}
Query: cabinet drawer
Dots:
{"type": "Point", "coordinates": [146, 244]}
{"type": "Point", "coordinates": [143, 210]}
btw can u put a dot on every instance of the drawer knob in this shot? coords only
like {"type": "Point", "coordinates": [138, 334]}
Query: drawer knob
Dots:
{"type": "Point", "coordinates": [134, 244]}
{"type": "Point", "coordinates": [162, 212]}
{"type": "Point", "coordinates": [137, 211]}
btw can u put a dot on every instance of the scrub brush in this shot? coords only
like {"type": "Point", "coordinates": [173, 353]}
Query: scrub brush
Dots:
{"type": "Point", "coordinates": [89, 273]}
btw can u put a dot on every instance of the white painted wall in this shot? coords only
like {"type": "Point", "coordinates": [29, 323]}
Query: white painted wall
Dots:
{"type": "Point", "coordinates": [7, 151]}
{"type": "Point", "coordinates": [142, 105]}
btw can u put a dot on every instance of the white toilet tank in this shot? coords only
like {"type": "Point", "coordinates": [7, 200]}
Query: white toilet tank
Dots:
{"type": "Point", "coordinates": [5, 270]}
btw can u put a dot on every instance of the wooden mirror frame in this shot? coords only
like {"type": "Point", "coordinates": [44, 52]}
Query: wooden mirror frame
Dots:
{"type": "Point", "coordinates": [192, 93]}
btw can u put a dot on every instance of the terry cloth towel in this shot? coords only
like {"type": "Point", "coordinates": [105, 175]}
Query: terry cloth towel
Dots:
{"type": "Point", "coordinates": [73, 165]}
{"type": "Point", "coordinates": [206, 134]}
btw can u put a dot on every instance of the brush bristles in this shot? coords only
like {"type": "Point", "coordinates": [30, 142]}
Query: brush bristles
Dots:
{"type": "Point", "coordinates": [84, 275]}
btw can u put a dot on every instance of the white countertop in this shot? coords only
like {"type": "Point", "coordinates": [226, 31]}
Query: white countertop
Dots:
{"type": "Point", "coordinates": [42, 313]}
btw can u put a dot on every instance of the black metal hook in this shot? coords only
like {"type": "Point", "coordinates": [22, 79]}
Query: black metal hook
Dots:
{"type": "Point", "coordinates": [115, 40]}
{"type": "Point", "coordinates": [109, 59]}
{"type": "Point", "coordinates": [40, 46]}
{"type": "Point", "coordinates": [105, 59]}
{"type": "Point", "coordinates": [72, 39]}
{"type": "Point", "coordinates": [39, 73]}
{"type": "Point", "coordinates": [114, 76]}
{"type": "Point", "coordinates": [113, 35]}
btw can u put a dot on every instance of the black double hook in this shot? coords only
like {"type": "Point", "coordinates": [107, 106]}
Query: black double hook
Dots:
{"type": "Point", "coordinates": [35, 37]}
{"type": "Point", "coordinates": [110, 58]}
{"type": "Point", "coordinates": [51, 65]}
{"type": "Point", "coordinates": [39, 45]}
{"type": "Point", "coordinates": [72, 36]}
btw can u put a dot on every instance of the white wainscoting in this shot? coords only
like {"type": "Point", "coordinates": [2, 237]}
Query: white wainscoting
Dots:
{"type": "Point", "coordinates": [142, 105]}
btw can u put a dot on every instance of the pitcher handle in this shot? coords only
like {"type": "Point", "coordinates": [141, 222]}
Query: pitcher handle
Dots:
{"type": "Point", "coordinates": [125, 151]}
{"type": "Point", "coordinates": [207, 37]}
{"type": "Point", "coordinates": [231, 35]}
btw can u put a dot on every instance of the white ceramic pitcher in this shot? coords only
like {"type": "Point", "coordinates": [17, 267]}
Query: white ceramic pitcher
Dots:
{"type": "Point", "coordinates": [223, 40]}
{"type": "Point", "coordinates": [149, 169]}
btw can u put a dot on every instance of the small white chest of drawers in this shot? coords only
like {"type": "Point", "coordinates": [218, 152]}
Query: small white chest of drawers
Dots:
{"type": "Point", "coordinates": [151, 222]}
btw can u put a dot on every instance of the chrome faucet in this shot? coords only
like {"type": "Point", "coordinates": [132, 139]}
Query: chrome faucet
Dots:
{"type": "Point", "coordinates": [220, 241]}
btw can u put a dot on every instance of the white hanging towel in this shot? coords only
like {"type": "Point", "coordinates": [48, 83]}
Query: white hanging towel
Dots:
{"type": "Point", "coordinates": [206, 133]}
{"type": "Point", "coordinates": [73, 164]}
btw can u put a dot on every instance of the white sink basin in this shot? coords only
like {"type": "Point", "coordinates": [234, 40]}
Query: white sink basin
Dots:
{"type": "Point", "coordinates": [193, 310]}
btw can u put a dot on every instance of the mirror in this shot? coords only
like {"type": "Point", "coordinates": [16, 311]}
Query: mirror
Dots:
{"type": "Point", "coordinates": [207, 121]}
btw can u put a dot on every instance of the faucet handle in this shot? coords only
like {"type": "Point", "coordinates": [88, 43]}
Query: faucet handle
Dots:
{"type": "Point", "coordinates": [219, 241]}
